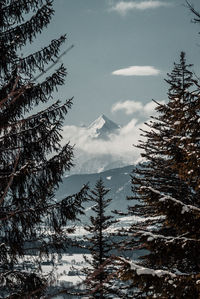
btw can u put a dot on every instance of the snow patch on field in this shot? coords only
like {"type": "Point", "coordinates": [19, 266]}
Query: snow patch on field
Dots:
{"type": "Point", "coordinates": [69, 268]}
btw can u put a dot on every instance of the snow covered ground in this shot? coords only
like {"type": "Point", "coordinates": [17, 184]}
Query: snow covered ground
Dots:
{"type": "Point", "coordinates": [124, 222]}
{"type": "Point", "coordinates": [68, 269]}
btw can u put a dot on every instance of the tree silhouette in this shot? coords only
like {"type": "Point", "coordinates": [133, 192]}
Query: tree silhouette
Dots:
{"type": "Point", "coordinates": [168, 187]}
{"type": "Point", "coordinates": [101, 278]}
{"type": "Point", "coordinates": [32, 161]}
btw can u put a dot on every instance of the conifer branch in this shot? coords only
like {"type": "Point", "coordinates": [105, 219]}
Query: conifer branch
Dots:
{"type": "Point", "coordinates": [11, 179]}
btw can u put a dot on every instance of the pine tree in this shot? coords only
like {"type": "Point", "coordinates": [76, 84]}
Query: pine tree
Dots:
{"type": "Point", "coordinates": [183, 112]}
{"type": "Point", "coordinates": [32, 161]}
{"type": "Point", "coordinates": [101, 280]}
{"type": "Point", "coordinates": [168, 189]}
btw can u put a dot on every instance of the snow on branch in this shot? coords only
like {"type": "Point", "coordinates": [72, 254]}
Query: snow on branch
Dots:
{"type": "Point", "coordinates": [139, 270]}
{"type": "Point", "coordinates": [163, 198]}
{"type": "Point", "coordinates": [151, 236]}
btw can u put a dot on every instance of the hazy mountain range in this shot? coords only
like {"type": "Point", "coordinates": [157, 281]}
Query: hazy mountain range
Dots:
{"type": "Point", "coordinates": [118, 180]}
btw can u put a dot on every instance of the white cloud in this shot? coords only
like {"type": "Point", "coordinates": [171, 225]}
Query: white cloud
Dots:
{"type": "Point", "coordinates": [118, 146]}
{"type": "Point", "coordinates": [131, 107]}
{"type": "Point", "coordinates": [123, 7]}
{"type": "Point", "coordinates": [137, 71]}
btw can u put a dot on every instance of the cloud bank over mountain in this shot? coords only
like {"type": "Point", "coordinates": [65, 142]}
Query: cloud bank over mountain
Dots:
{"type": "Point", "coordinates": [116, 144]}
{"type": "Point", "coordinates": [100, 146]}
{"type": "Point", "coordinates": [132, 107]}
{"type": "Point", "coordinates": [104, 144]}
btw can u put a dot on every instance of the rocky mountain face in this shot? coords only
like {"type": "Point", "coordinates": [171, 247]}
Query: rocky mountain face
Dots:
{"type": "Point", "coordinates": [102, 127]}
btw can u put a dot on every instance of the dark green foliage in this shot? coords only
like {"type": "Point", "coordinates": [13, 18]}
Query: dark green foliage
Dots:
{"type": "Point", "coordinates": [32, 161]}
{"type": "Point", "coordinates": [101, 279]}
{"type": "Point", "coordinates": [168, 187]}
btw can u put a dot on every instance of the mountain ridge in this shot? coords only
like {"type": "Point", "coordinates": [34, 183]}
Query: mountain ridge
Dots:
{"type": "Point", "coordinates": [102, 127]}
{"type": "Point", "coordinates": [118, 180]}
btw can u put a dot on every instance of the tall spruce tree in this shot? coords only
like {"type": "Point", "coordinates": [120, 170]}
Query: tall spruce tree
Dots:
{"type": "Point", "coordinates": [167, 185]}
{"type": "Point", "coordinates": [32, 160]}
{"type": "Point", "coordinates": [101, 281]}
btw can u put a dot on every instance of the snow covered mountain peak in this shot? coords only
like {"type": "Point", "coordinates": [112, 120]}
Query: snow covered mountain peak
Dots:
{"type": "Point", "coordinates": [102, 127]}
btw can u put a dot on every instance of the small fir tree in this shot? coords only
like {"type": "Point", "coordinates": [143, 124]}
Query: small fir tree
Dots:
{"type": "Point", "coordinates": [101, 281]}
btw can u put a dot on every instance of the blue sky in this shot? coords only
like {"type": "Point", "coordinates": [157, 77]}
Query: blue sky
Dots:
{"type": "Point", "coordinates": [110, 37]}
